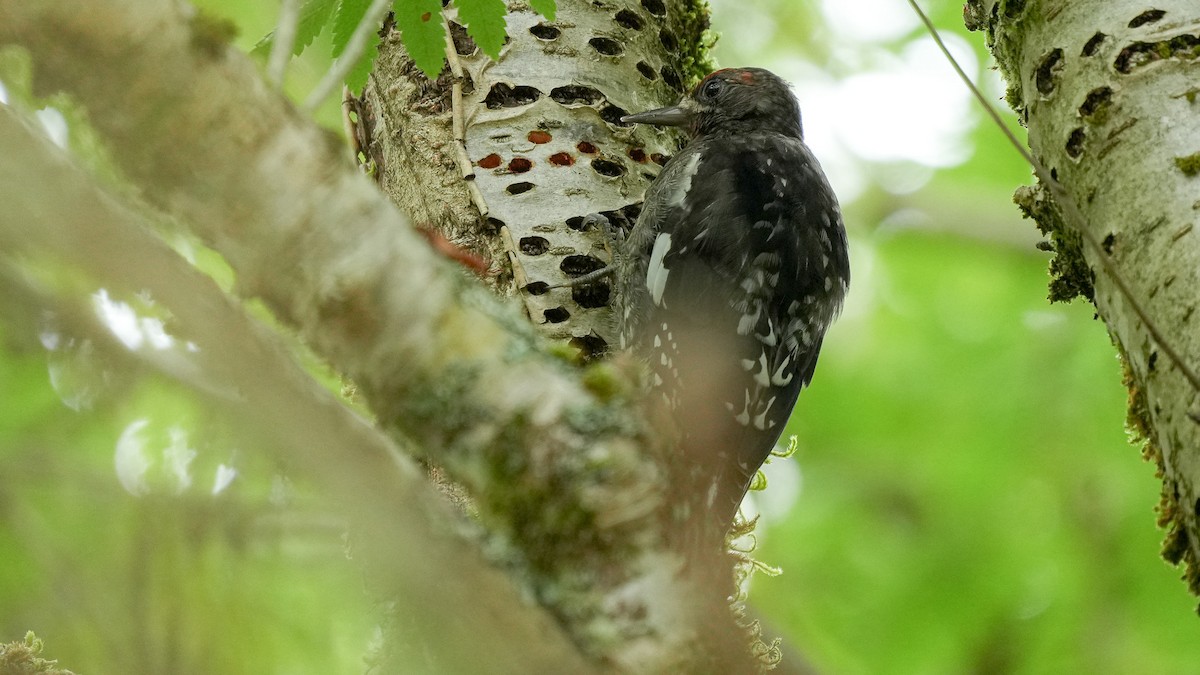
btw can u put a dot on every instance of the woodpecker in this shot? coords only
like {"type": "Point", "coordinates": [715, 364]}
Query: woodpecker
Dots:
{"type": "Point", "coordinates": [727, 282]}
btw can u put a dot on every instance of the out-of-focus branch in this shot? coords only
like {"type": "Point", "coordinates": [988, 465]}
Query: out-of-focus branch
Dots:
{"type": "Point", "coordinates": [285, 39]}
{"type": "Point", "coordinates": [354, 49]}
{"type": "Point", "coordinates": [195, 125]}
{"type": "Point", "coordinates": [404, 531]}
{"type": "Point", "coordinates": [562, 472]}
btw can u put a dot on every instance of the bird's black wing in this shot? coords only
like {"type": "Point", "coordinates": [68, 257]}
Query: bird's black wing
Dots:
{"type": "Point", "coordinates": [742, 276]}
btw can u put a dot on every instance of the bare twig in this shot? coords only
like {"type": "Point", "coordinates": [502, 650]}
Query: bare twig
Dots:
{"type": "Point", "coordinates": [589, 278]}
{"type": "Point", "coordinates": [285, 38]}
{"type": "Point", "coordinates": [350, 55]}
{"type": "Point", "coordinates": [352, 123]}
{"type": "Point", "coordinates": [520, 278]}
{"type": "Point", "coordinates": [1073, 216]}
{"type": "Point", "coordinates": [458, 125]}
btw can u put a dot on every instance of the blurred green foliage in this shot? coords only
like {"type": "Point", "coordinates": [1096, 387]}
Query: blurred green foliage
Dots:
{"type": "Point", "coordinates": [969, 501]}
{"type": "Point", "coordinates": [420, 24]}
{"type": "Point", "coordinates": [256, 579]}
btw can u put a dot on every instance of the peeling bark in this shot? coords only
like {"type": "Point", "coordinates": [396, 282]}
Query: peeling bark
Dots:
{"type": "Point", "coordinates": [1108, 91]}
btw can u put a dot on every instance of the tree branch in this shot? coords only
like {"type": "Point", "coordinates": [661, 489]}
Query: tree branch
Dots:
{"type": "Point", "coordinates": [564, 475]}
{"type": "Point", "coordinates": [241, 367]}
{"type": "Point", "coordinates": [354, 50]}
{"type": "Point", "coordinates": [285, 39]}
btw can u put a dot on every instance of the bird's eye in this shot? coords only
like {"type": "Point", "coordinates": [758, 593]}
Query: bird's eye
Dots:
{"type": "Point", "coordinates": [712, 88]}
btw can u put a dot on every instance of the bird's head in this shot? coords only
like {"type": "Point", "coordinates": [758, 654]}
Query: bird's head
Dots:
{"type": "Point", "coordinates": [732, 100]}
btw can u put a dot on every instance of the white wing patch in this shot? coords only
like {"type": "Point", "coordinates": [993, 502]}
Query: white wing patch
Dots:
{"type": "Point", "coordinates": [656, 273]}
{"type": "Point", "coordinates": [680, 189]}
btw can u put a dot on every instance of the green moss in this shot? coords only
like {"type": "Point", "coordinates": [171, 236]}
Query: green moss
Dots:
{"type": "Point", "coordinates": [1070, 275]}
{"type": "Point", "coordinates": [545, 523]}
{"type": "Point", "coordinates": [443, 401]}
{"type": "Point", "coordinates": [521, 337]}
{"type": "Point", "coordinates": [1013, 8]}
{"type": "Point", "coordinates": [212, 34]}
{"type": "Point", "coordinates": [1137, 417]}
{"type": "Point", "coordinates": [605, 381]}
{"type": "Point", "coordinates": [695, 41]}
{"type": "Point", "coordinates": [1176, 547]}
{"type": "Point", "coordinates": [1006, 30]}
{"type": "Point", "coordinates": [537, 505]}
{"type": "Point", "coordinates": [1191, 576]}
{"type": "Point", "coordinates": [1189, 165]}
{"type": "Point", "coordinates": [1013, 96]}
{"type": "Point", "coordinates": [594, 421]}
{"type": "Point", "coordinates": [23, 658]}
{"type": "Point", "coordinates": [563, 351]}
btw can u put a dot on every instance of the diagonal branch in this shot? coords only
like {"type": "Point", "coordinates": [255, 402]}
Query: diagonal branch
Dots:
{"type": "Point", "coordinates": [241, 367]}
{"type": "Point", "coordinates": [195, 125]}
{"type": "Point", "coordinates": [563, 473]}
{"type": "Point", "coordinates": [350, 55]}
{"type": "Point", "coordinates": [285, 40]}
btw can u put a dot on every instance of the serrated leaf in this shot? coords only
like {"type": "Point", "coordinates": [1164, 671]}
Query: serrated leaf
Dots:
{"type": "Point", "coordinates": [546, 8]}
{"type": "Point", "coordinates": [485, 23]}
{"type": "Point", "coordinates": [313, 18]}
{"type": "Point", "coordinates": [346, 17]}
{"type": "Point", "coordinates": [314, 15]}
{"type": "Point", "coordinates": [420, 24]}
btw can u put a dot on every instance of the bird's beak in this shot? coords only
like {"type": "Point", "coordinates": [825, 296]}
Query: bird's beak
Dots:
{"type": "Point", "coordinates": [673, 116]}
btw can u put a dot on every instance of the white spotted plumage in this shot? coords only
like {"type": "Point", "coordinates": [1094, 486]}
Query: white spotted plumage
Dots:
{"type": "Point", "coordinates": [656, 272]}
{"type": "Point", "coordinates": [736, 267]}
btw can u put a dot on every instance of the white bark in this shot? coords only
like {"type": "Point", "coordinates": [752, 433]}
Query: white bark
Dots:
{"type": "Point", "coordinates": [1108, 90]}
{"type": "Point", "coordinates": [586, 165]}
{"type": "Point", "coordinates": [537, 135]}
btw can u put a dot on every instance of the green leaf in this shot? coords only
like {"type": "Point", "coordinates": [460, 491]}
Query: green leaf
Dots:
{"type": "Point", "coordinates": [346, 17]}
{"type": "Point", "coordinates": [485, 23]}
{"type": "Point", "coordinates": [314, 15]}
{"type": "Point", "coordinates": [544, 7]}
{"type": "Point", "coordinates": [356, 79]}
{"type": "Point", "coordinates": [420, 24]}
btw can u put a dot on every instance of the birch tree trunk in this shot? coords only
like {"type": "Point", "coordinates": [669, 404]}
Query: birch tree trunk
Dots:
{"type": "Point", "coordinates": [526, 147]}
{"type": "Point", "coordinates": [525, 151]}
{"type": "Point", "coordinates": [1108, 91]}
